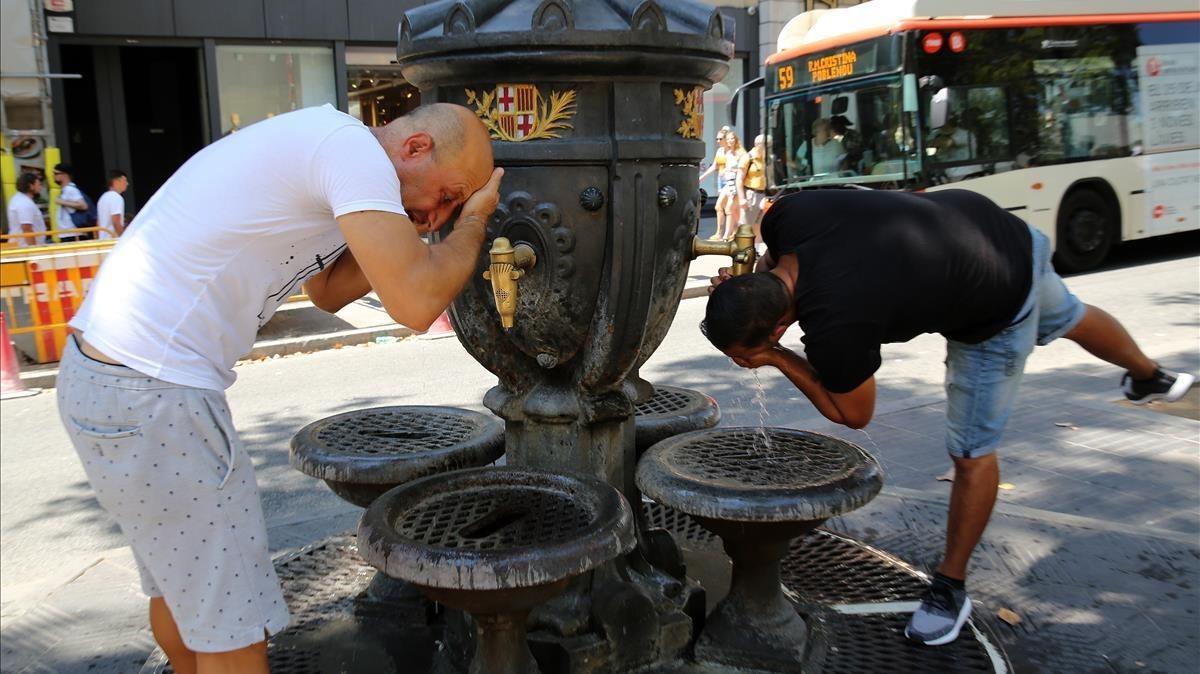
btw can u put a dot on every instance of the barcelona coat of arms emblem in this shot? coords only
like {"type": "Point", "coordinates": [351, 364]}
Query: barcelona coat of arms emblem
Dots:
{"type": "Point", "coordinates": [519, 112]}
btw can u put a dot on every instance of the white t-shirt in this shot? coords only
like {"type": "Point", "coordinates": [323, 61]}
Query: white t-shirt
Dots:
{"type": "Point", "coordinates": [110, 204]}
{"type": "Point", "coordinates": [23, 211]}
{"type": "Point", "coordinates": [825, 157]}
{"type": "Point", "coordinates": [234, 232]}
{"type": "Point", "coordinates": [71, 193]}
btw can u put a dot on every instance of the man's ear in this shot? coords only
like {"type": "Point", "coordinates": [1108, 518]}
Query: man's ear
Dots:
{"type": "Point", "coordinates": [777, 333]}
{"type": "Point", "coordinates": [417, 144]}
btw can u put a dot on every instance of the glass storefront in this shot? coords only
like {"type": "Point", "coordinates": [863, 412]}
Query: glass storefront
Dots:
{"type": "Point", "coordinates": [377, 92]}
{"type": "Point", "coordinates": [256, 82]}
{"type": "Point", "coordinates": [377, 96]}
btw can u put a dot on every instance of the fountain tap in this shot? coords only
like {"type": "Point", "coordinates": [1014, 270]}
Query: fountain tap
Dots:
{"type": "Point", "coordinates": [741, 249]}
{"type": "Point", "coordinates": [507, 267]}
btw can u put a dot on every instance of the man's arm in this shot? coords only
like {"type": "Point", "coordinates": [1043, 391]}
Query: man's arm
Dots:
{"type": "Point", "coordinates": [853, 409]}
{"type": "Point", "coordinates": [71, 197]}
{"type": "Point", "coordinates": [117, 227]}
{"type": "Point", "coordinates": [415, 282]}
{"type": "Point", "coordinates": [338, 285]}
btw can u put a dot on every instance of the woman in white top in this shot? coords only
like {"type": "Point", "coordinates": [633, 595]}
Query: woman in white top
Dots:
{"type": "Point", "coordinates": [729, 203]}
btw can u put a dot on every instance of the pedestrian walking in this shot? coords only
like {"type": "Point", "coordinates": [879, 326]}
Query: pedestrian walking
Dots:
{"type": "Point", "coordinates": [24, 216]}
{"type": "Point", "coordinates": [73, 211]}
{"type": "Point", "coordinates": [856, 269]}
{"type": "Point", "coordinates": [110, 210]}
{"type": "Point", "coordinates": [754, 186]}
{"type": "Point", "coordinates": [312, 199]}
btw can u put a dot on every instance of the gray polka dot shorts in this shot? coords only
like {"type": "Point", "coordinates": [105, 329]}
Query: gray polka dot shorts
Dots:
{"type": "Point", "coordinates": [166, 463]}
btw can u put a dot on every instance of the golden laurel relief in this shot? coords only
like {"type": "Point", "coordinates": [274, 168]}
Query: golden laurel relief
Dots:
{"type": "Point", "coordinates": [519, 112]}
{"type": "Point", "coordinates": [691, 104]}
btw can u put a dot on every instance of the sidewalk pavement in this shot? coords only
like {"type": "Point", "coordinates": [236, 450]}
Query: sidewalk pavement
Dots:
{"type": "Point", "coordinates": [1094, 545]}
{"type": "Point", "coordinates": [300, 327]}
{"type": "Point", "coordinates": [1096, 584]}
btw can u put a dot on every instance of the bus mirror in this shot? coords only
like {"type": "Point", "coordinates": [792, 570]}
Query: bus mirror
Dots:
{"type": "Point", "coordinates": [840, 105]}
{"type": "Point", "coordinates": [939, 105]}
{"type": "Point", "coordinates": [755, 83]}
{"type": "Point", "coordinates": [910, 93]}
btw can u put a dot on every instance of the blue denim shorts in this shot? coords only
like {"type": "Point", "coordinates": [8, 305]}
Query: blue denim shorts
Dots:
{"type": "Point", "coordinates": [982, 379]}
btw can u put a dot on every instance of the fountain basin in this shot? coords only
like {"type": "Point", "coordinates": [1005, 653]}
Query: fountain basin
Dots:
{"type": "Point", "coordinates": [671, 411]}
{"type": "Point", "coordinates": [364, 453]}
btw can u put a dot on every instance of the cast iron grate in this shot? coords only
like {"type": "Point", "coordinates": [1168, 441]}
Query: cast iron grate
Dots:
{"type": "Point", "coordinates": [494, 518]}
{"type": "Point", "coordinates": [320, 583]}
{"type": "Point", "coordinates": [314, 585]}
{"type": "Point", "coordinates": [769, 457]}
{"type": "Point", "coordinates": [392, 431]}
{"type": "Point", "coordinates": [668, 400]}
{"type": "Point", "coordinates": [876, 643]}
{"type": "Point", "coordinates": [825, 568]}
{"type": "Point", "coordinates": [686, 530]}
{"type": "Point", "coordinates": [822, 568]}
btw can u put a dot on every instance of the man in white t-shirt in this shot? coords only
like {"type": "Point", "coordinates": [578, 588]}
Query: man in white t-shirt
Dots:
{"type": "Point", "coordinates": [310, 199]}
{"type": "Point", "coordinates": [110, 210]}
{"type": "Point", "coordinates": [24, 216]}
{"type": "Point", "coordinates": [70, 200]}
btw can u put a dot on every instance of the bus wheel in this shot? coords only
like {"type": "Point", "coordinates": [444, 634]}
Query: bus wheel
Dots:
{"type": "Point", "coordinates": [1086, 231]}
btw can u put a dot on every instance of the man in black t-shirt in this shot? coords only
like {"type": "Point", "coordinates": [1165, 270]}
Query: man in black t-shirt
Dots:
{"type": "Point", "coordinates": [857, 269]}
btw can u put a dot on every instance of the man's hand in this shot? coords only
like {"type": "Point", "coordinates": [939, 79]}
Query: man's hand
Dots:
{"type": "Point", "coordinates": [483, 202]}
{"type": "Point", "coordinates": [723, 275]}
{"type": "Point", "coordinates": [769, 355]}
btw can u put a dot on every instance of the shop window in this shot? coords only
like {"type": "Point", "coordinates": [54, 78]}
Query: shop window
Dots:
{"type": "Point", "coordinates": [256, 82]}
{"type": "Point", "coordinates": [378, 95]}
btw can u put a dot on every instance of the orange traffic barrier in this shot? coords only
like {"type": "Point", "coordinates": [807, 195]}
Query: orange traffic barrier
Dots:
{"type": "Point", "coordinates": [41, 289]}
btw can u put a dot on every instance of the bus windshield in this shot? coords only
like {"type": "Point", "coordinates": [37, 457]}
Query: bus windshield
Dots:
{"type": "Point", "coordinates": [852, 134]}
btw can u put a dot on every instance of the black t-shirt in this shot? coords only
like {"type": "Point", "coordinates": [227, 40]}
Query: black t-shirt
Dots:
{"type": "Point", "coordinates": [879, 267]}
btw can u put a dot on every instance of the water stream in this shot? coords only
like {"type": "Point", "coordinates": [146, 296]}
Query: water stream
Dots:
{"type": "Point", "coordinates": [760, 399]}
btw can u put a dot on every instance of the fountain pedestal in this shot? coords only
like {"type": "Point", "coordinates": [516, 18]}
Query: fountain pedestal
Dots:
{"type": "Point", "coordinates": [758, 489]}
{"type": "Point", "coordinates": [496, 542]}
{"type": "Point", "coordinates": [364, 453]}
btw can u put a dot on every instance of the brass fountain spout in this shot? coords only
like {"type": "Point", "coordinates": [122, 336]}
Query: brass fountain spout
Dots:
{"type": "Point", "coordinates": [507, 267]}
{"type": "Point", "coordinates": [741, 249]}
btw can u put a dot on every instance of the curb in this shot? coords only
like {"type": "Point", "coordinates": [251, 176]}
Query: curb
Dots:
{"type": "Point", "coordinates": [291, 345]}
{"type": "Point", "coordinates": [46, 379]}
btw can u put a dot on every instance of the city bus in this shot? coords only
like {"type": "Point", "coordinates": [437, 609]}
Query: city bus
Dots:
{"type": "Point", "coordinates": [1079, 117]}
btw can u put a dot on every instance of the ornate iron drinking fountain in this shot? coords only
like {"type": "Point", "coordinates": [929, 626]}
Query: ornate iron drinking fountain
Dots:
{"type": "Point", "coordinates": [555, 562]}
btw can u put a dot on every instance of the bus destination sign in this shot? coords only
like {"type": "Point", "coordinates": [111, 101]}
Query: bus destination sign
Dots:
{"type": "Point", "coordinates": [854, 60]}
{"type": "Point", "coordinates": [833, 66]}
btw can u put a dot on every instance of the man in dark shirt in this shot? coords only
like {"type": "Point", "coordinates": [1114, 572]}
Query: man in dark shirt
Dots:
{"type": "Point", "coordinates": [857, 269]}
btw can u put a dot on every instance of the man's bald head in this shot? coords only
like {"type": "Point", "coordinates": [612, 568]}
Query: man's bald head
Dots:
{"type": "Point", "coordinates": [442, 154]}
{"type": "Point", "coordinates": [458, 135]}
{"type": "Point", "coordinates": [454, 129]}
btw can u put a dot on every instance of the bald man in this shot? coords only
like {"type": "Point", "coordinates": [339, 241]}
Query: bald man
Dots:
{"type": "Point", "coordinates": [310, 199]}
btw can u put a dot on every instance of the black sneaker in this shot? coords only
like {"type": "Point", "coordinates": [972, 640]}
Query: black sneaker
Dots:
{"type": "Point", "coordinates": [943, 611]}
{"type": "Point", "coordinates": [1168, 386]}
